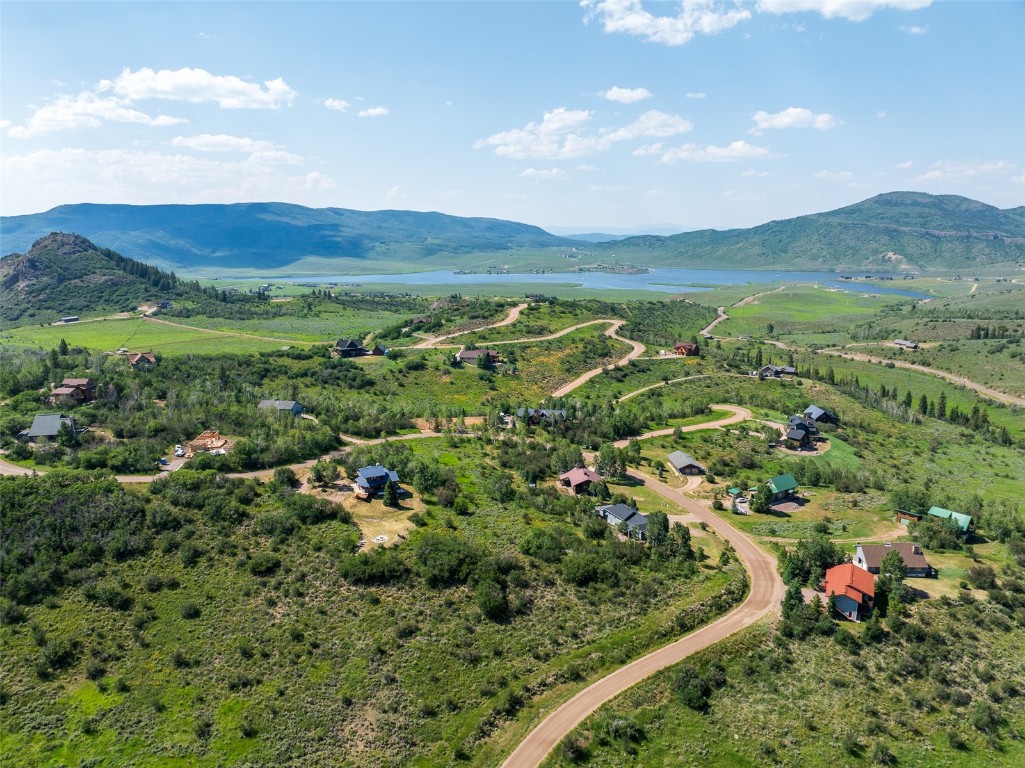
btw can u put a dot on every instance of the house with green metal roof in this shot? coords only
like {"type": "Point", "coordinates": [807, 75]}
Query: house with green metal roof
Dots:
{"type": "Point", "coordinates": [964, 522]}
{"type": "Point", "coordinates": [782, 486]}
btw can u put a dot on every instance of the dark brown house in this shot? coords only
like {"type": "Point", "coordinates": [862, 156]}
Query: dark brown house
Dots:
{"type": "Point", "coordinates": [686, 349]}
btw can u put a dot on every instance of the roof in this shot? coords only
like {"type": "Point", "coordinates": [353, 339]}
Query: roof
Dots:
{"type": "Point", "coordinates": [849, 580]}
{"type": "Point", "coordinates": [473, 354]}
{"type": "Point", "coordinates": [66, 391]}
{"type": "Point", "coordinates": [48, 425]}
{"type": "Point", "coordinates": [816, 413]}
{"type": "Point", "coordinates": [79, 383]}
{"type": "Point", "coordinates": [781, 483]}
{"type": "Point", "coordinates": [375, 476]}
{"type": "Point", "coordinates": [135, 357]}
{"type": "Point", "coordinates": [348, 344]}
{"type": "Point", "coordinates": [579, 475]}
{"type": "Point", "coordinates": [963, 521]}
{"type": "Point", "coordinates": [796, 433]}
{"type": "Point", "coordinates": [910, 553]}
{"type": "Point", "coordinates": [624, 514]}
{"type": "Point", "coordinates": [679, 459]}
{"type": "Point", "coordinates": [281, 405]}
{"type": "Point", "coordinates": [544, 413]}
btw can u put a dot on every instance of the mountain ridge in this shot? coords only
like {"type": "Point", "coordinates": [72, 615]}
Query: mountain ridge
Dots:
{"type": "Point", "coordinates": [894, 231]}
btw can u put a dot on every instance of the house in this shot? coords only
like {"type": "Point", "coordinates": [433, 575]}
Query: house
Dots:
{"type": "Point", "coordinates": [964, 522]}
{"type": "Point", "coordinates": [422, 320]}
{"type": "Point", "coordinates": [819, 415]}
{"type": "Point", "coordinates": [46, 426]}
{"type": "Point", "coordinates": [797, 438]}
{"type": "Point", "coordinates": [377, 351]}
{"type": "Point", "coordinates": [579, 479]}
{"type": "Point", "coordinates": [141, 359]}
{"type": "Point", "coordinates": [88, 387]}
{"type": "Point", "coordinates": [66, 396]}
{"type": "Point", "coordinates": [209, 440]}
{"type": "Point", "coordinates": [686, 348]}
{"type": "Point", "coordinates": [852, 588]}
{"type": "Point", "coordinates": [904, 517]}
{"type": "Point", "coordinates": [471, 356]}
{"type": "Point", "coordinates": [534, 416]}
{"type": "Point", "coordinates": [70, 319]}
{"type": "Point", "coordinates": [782, 486]}
{"type": "Point", "coordinates": [371, 480]}
{"type": "Point", "coordinates": [684, 463]}
{"type": "Point", "coordinates": [620, 514]}
{"type": "Point", "coordinates": [349, 348]}
{"type": "Point", "coordinates": [778, 371]}
{"type": "Point", "coordinates": [905, 344]}
{"type": "Point", "coordinates": [870, 557]}
{"type": "Point", "coordinates": [802, 423]}
{"type": "Point", "coordinates": [164, 304]}
{"type": "Point", "coordinates": [292, 406]}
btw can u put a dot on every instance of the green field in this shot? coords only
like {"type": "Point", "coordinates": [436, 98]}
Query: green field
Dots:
{"type": "Point", "coordinates": [137, 335]}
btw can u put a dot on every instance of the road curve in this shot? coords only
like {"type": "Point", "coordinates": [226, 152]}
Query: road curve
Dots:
{"type": "Point", "coordinates": [739, 414]}
{"type": "Point", "coordinates": [707, 330]}
{"type": "Point", "coordinates": [763, 600]}
{"type": "Point", "coordinates": [636, 351]}
{"type": "Point", "coordinates": [512, 317]}
{"type": "Point", "coordinates": [530, 339]}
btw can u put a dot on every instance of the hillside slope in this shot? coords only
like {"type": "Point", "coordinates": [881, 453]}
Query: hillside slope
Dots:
{"type": "Point", "coordinates": [273, 235]}
{"type": "Point", "coordinates": [66, 274]}
{"type": "Point", "coordinates": [895, 231]}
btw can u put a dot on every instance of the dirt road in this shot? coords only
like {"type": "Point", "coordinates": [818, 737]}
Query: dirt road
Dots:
{"type": "Point", "coordinates": [235, 334]}
{"type": "Point", "coordinates": [739, 414]}
{"type": "Point", "coordinates": [707, 330]}
{"type": "Point", "coordinates": [953, 378]}
{"type": "Point", "coordinates": [636, 351]}
{"type": "Point", "coordinates": [764, 599]}
{"type": "Point", "coordinates": [512, 317]}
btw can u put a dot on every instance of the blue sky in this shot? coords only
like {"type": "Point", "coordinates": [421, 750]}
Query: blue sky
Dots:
{"type": "Point", "coordinates": [606, 115]}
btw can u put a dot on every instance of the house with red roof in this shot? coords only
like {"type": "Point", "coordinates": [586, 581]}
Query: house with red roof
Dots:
{"type": "Point", "coordinates": [579, 479]}
{"type": "Point", "coordinates": [852, 588]}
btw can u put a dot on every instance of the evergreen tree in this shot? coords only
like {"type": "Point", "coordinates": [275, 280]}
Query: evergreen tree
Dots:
{"type": "Point", "coordinates": [390, 497]}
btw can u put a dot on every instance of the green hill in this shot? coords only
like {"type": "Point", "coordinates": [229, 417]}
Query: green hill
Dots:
{"type": "Point", "coordinates": [66, 274]}
{"type": "Point", "coordinates": [895, 231]}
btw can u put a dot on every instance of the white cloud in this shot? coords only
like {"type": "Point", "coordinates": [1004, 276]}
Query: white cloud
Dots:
{"type": "Point", "coordinates": [915, 30]}
{"type": "Point", "coordinates": [544, 173]}
{"type": "Point", "coordinates": [903, 166]}
{"type": "Point", "coordinates": [86, 110]}
{"type": "Point", "coordinates": [693, 153]}
{"type": "Point", "coordinates": [852, 10]}
{"type": "Point", "coordinates": [339, 105]}
{"type": "Point", "coordinates": [834, 175]}
{"type": "Point", "coordinates": [563, 133]}
{"type": "Point", "coordinates": [696, 95]}
{"type": "Point", "coordinates": [752, 173]}
{"type": "Point", "coordinates": [588, 168]}
{"type": "Point", "coordinates": [374, 112]}
{"type": "Point", "coordinates": [958, 170]}
{"type": "Point", "coordinates": [198, 85]}
{"type": "Point", "coordinates": [792, 117]}
{"type": "Point", "coordinates": [207, 142]}
{"type": "Point", "coordinates": [45, 177]}
{"type": "Point", "coordinates": [626, 95]}
{"type": "Point", "coordinates": [694, 17]}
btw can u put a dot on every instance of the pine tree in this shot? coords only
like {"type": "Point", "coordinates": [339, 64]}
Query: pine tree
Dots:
{"type": "Point", "coordinates": [941, 405]}
{"type": "Point", "coordinates": [390, 497]}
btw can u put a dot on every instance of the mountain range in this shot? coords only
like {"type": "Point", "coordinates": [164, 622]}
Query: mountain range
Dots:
{"type": "Point", "coordinates": [897, 231]}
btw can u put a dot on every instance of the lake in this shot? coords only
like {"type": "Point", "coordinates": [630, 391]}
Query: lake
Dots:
{"type": "Point", "coordinates": [661, 280]}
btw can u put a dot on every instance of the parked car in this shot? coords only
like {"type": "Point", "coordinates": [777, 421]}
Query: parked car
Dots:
{"type": "Point", "coordinates": [179, 451]}
{"type": "Point", "coordinates": [218, 452]}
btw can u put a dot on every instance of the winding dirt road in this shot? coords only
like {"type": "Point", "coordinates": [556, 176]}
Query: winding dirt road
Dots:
{"type": "Point", "coordinates": [953, 378]}
{"type": "Point", "coordinates": [707, 330]}
{"type": "Point", "coordinates": [636, 351]}
{"type": "Point", "coordinates": [512, 317]}
{"type": "Point", "coordinates": [739, 414]}
{"type": "Point", "coordinates": [763, 600]}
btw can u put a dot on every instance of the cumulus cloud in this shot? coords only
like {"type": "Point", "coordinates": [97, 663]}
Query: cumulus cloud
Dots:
{"type": "Point", "coordinates": [626, 95]}
{"type": "Point", "coordinates": [544, 173]}
{"type": "Point", "coordinates": [694, 153]}
{"type": "Point", "coordinates": [915, 30]}
{"type": "Point", "coordinates": [965, 170]}
{"type": "Point", "coordinates": [564, 133]}
{"type": "Point", "coordinates": [695, 17]}
{"type": "Point", "coordinates": [207, 142]}
{"type": "Point", "coordinates": [374, 112]}
{"type": "Point", "coordinates": [86, 110]}
{"type": "Point", "coordinates": [198, 86]}
{"type": "Point", "coordinates": [793, 117]}
{"type": "Point", "coordinates": [44, 177]}
{"type": "Point", "coordinates": [339, 105]}
{"type": "Point", "coordinates": [852, 10]}
{"type": "Point", "coordinates": [834, 175]}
